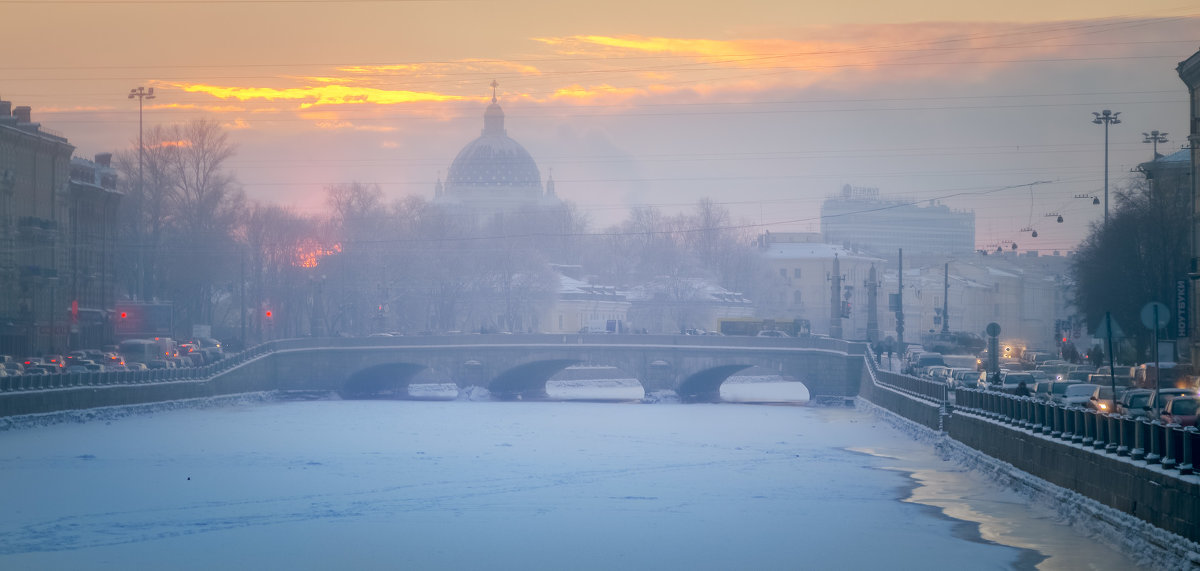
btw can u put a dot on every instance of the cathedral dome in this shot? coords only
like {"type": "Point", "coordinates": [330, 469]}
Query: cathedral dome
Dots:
{"type": "Point", "coordinates": [493, 160]}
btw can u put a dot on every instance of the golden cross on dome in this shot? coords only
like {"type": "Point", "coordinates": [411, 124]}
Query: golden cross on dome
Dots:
{"type": "Point", "coordinates": [494, 86]}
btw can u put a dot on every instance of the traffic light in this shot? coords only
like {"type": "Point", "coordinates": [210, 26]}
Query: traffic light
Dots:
{"type": "Point", "coordinates": [270, 314]}
{"type": "Point", "coordinates": [846, 309]}
{"type": "Point", "coordinates": [124, 315]}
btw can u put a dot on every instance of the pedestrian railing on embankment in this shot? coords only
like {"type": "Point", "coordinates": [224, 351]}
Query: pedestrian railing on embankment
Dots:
{"type": "Point", "coordinates": [23, 383]}
{"type": "Point", "coordinates": [925, 389]}
{"type": "Point", "coordinates": [1151, 441]}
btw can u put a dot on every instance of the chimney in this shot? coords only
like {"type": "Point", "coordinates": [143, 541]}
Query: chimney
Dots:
{"type": "Point", "coordinates": [104, 160]}
{"type": "Point", "coordinates": [22, 114]}
{"type": "Point", "coordinates": [5, 108]}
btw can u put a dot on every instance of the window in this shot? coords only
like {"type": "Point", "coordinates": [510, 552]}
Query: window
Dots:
{"type": "Point", "coordinates": [796, 274]}
{"type": "Point", "coordinates": [796, 297]}
{"type": "Point", "coordinates": [783, 273]}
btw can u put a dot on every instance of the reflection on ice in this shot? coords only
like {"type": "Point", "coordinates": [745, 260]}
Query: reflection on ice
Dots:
{"type": "Point", "coordinates": [433, 391]}
{"type": "Point", "coordinates": [770, 391]}
{"type": "Point", "coordinates": [596, 389]}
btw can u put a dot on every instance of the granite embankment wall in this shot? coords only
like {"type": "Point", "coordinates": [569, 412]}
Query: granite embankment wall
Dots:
{"type": "Point", "coordinates": [1165, 499]}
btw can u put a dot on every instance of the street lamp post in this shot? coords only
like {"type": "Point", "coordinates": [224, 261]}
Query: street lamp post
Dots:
{"type": "Point", "coordinates": [1156, 138]}
{"type": "Point", "coordinates": [1106, 118]}
{"type": "Point", "coordinates": [141, 93]}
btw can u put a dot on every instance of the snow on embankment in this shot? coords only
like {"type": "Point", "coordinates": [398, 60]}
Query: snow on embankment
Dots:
{"type": "Point", "coordinates": [1152, 547]}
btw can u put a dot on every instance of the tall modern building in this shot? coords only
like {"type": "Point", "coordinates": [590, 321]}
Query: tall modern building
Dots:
{"type": "Point", "coordinates": [860, 219]}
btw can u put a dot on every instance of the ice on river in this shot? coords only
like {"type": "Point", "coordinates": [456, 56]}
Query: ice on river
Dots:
{"type": "Point", "coordinates": [473, 485]}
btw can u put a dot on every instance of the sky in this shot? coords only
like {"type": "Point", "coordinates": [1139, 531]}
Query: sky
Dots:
{"type": "Point", "coordinates": [763, 107]}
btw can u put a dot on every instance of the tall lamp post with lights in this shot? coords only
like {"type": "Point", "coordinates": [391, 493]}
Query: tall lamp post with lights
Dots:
{"type": "Point", "coordinates": [1156, 138]}
{"type": "Point", "coordinates": [141, 94]}
{"type": "Point", "coordinates": [1106, 118]}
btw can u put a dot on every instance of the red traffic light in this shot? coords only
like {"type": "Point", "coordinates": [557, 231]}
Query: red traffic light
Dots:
{"type": "Point", "coordinates": [269, 313]}
{"type": "Point", "coordinates": [124, 315]}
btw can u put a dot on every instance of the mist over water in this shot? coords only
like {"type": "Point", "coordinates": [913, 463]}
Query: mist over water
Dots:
{"type": "Point", "coordinates": [387, 484]}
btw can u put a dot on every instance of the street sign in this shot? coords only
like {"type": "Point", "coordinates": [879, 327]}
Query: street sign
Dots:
{"type": "Point", "coordinates": [1155, 315]}
{"type": "Point", "coordinates": [993, 329]}
{"type": "Point", "coordinates": [1181, 309]}
{"type": "Point", "coordinates": [1109, 327]}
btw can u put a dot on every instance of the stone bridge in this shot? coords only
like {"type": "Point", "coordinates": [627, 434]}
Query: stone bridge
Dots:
{"type": "Point", "coordinates": [519, 365]}
{"type": "Point", "coordinates": [510, 366]}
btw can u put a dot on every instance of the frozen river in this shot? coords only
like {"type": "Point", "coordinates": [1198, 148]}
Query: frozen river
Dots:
{"type": "Point", "coordinates": [508, 485]}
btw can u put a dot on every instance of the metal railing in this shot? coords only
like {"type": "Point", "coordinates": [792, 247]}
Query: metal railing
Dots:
{"type": "Point", "coordinates": [926, 389]}
{"type": "Point", "coordinates": [1170, 446]}
{"type": "Point", "coordinates": [24, 383]}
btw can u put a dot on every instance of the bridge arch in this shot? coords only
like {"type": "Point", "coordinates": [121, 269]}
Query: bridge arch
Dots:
{"type": "Point", "coordinates": [387, 379]}
{"type": "Point", "coordinates": [527, 380]}
{"type": "Point", "coordinates": [705, 385]}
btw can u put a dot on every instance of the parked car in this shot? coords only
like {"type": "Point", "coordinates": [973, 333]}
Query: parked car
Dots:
{"type": "Point", "coordinates": [1058, 388]}
{"type": "Point", "coordinates": [1081, 376]}
{"type": "Point", "coordinates": [1181, 410]}
{"type": "Point", "coordinates": [1101, 399]}
{"type": "Point", "coordinates": [959, 376]}
{"type": "Point", "coordinates": [1164, 396]}
{"type": "Point", "coordinates": [1078, 394]}
{"type": "Point", "coordinates": [56, 360]}
{"type": "Point", "coordinates": [1010, 380]}
{"type": "Point", "coordinates": [1041, 390]}
{"type": "Point", "coordinates": [1135, 403]}
{"type": "Point", "coordinates": [923, 361]}
{"type": "Point", "coordinates": [937, 372]}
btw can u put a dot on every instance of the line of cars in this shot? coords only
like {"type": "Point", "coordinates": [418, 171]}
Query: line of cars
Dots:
{"type": "Point", "coordinates": [131, 355]}
{"type": "Point", "coordinates": [1072, 384]}
{"type": "Point", "coordinates": [1171, 405]}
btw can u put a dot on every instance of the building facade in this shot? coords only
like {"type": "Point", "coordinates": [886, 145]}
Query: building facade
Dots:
{"type": "Point", "coordinates": [859, 219]}
{"type": "Point", "coordinates": [803, 265]}
{"type": "Point", "coordinates": [91, 250]}
{"type": "Point", "coordinates": [1189, 72]}
{"type": "Point", "coordinates": [34, 201]}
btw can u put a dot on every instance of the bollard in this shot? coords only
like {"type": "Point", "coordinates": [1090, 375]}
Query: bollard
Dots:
{"type": "Point", "coordinates": [1089, 427]}
{"type": "Point", "coordinates": [1038, 416]}
{"type": "Point", "coordinates": [1056, 416]}
{"type": "Point", "coordinates": [1154, 451]}
{"type": "Point", "coordinates": [1079, 427]}
{"type": "Point", "coordinates": [1138, 451]}
{"type": "Point", "coordinates": [1125, 431]}
{"type": "Point", "coordinates": [1171, 443]}
{"type": "Point", "coordinates": [1100, 433]}
{"type": "Point", "coordinates": [1114, 433]}
{"type": "Point", "coordinates": [1047, 418]}
{"type": "Point", "coordinates": [1068, 428]}
{"type": "Point", "coordinates": [1188, 449]}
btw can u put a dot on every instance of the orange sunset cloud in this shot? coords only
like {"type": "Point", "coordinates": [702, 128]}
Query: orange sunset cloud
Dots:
{"type": "Point", "coordinates": [319, 95]}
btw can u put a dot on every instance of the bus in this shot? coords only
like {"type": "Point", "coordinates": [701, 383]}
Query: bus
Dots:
{"type": "Point", "coordinates": [146, 350]}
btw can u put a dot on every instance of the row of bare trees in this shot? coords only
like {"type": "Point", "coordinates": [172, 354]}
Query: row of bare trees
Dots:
{"type": "Point", "coordinates": [1138, 256]}
{"type": "Point", "coordinates": [370, 265]}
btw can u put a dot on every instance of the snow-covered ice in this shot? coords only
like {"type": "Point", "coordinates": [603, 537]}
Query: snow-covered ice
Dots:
{"type": "Point", "coordinates": [483, 485]}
